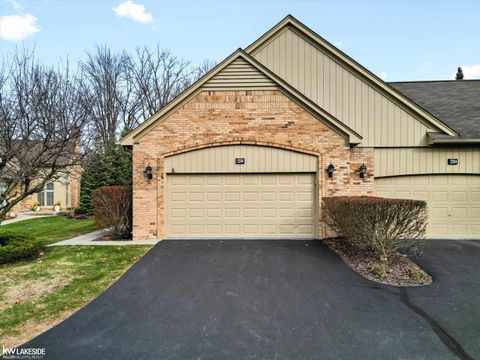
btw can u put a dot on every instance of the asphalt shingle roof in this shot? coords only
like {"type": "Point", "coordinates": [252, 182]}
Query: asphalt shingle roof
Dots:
{"type": "Point", "coordinates": [455, 102]}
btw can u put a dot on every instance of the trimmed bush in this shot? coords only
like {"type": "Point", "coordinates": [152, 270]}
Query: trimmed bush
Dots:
{"type": "Point", "coordinates": [380, 225]}
{"type": "Point", "coordinates": [16, 246]}
{"type": "Point", "coordinates": [112, 209]}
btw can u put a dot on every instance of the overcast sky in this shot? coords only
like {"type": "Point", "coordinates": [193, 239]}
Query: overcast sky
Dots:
{"type": "Point", "coordinates": [397, 40]}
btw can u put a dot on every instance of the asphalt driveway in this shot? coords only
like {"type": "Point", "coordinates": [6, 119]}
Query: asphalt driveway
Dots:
{"type": "Point", "coordinates": [275, 300]}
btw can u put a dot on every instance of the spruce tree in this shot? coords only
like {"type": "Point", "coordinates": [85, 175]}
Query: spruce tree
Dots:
{"type": "Point", "coordinates": [110, 165]}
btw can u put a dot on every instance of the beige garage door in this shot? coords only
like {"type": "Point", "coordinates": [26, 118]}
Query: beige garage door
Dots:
{"type": "Point", "coordinates": [453, 201]}
{"type": "Point", "coordinates": [240, 206]}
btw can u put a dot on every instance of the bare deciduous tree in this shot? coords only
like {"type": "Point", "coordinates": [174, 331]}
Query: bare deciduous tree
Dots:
{"type": "Point", "coordinates": [108, 93]}
{"type": "Point", "coordinates": [41, 112]}
{"type": "Point", "coordinates": [42, 108]}
{"type": "Point", "coordinates": [204, 67]}
{"type": "Point", "coordinates": [159, 77]}
{"type": "Point", "coordinates": [123, 90]}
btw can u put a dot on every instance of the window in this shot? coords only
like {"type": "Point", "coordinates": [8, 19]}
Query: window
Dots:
{"type": "Point", "coordinates": [41, 198]}
{"type": "Point", "coordinates": [45, 196]}
{"type": "Point", "coordinates": [50, 194]}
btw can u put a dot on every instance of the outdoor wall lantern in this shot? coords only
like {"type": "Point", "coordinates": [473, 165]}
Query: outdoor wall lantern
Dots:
{"type": "Point", "coordinates": [330, 169]}
{"type": "Point", "coordinates": [148, 172]}
{"type": "Point", "coordinates": [362, 170]}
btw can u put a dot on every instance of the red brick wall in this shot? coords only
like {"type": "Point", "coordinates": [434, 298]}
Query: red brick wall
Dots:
{"type": "Point", "coordinates": [214, 118]}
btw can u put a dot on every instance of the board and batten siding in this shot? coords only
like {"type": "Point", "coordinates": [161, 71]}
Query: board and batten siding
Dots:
{"type": "Point", "coordinates": [240, 75]}
{"type": "Point", "coordinates": [351, 99]}
{"type": "Point", "coordinates": [416, 161]}
{"type": "Point", "coordinates": [258, 159]}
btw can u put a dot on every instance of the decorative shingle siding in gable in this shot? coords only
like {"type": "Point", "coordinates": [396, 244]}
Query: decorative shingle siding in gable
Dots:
{"type": "Point", "coordinates": [350, 98]}
{"type": "Point", "coordinates": [215, 118]}
{"type": "Point", "coordinates": [240, 75]}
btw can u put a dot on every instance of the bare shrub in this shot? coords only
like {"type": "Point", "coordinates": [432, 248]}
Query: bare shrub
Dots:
{"type": "Point", "coordinates": [112, 209]}
{"type": "Point", "coordinates": [380, 225]}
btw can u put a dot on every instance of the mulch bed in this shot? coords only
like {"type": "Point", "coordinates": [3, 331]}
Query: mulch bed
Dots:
{"type": "Point", "coordinates": [401, 271]}
{"type": "Point", "coordinates": [112, 238]}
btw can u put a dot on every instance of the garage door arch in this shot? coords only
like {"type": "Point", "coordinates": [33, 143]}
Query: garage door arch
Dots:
{"type": "Point", "coordinates": [258, 159]}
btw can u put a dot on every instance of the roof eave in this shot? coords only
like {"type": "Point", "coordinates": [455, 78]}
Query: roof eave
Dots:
{"type": "Point", "coordinates": [440, 139]}
{"type": "Point", "coordinates": [457, 141]}
{"type": "Point", "coordinates": [125, 141]}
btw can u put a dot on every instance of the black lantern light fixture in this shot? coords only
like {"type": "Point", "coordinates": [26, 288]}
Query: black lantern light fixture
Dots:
{"type": "Point", "coordinates": [362, 170]}
{"type": "Point", "coordinates": [330, 169]}
{"type": "Point", "coordinates": [148, 172]}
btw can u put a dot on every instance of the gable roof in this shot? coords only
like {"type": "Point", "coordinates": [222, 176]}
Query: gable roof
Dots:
{"type": "Point", "coordinates": [291, 22]}
{"type": "Point", "coordinates": [266, 77]}
{"type": "Point", "coordinates": [23, 152]}
{"type": "Point", "coordinates": [59, 152]}
{"type": "Point", "coordinates": [455, 102]}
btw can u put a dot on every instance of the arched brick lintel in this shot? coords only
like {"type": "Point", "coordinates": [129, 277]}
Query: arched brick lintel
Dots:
{"type": "Point", "coordinates": [205, 145]}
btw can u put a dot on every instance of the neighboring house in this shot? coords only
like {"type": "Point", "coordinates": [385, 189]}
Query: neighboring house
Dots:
{"type": "Point", "coordinates": [245, 151]}
{"type": "Point", "coordinates": [64, 190]}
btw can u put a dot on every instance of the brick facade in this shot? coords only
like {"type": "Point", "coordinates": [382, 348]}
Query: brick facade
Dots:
{"type": "Point", "coordinates": [213, 118]}
{"type": "Point", "coordinates": [75, 180]}
{"type": "Point", "coordinates": [25, 204]}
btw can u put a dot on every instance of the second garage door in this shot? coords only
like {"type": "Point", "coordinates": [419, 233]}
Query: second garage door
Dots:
{"type": "Point", "coordinates": [240, 206]}
{"type": "Point", "coordinates": [453, 201]}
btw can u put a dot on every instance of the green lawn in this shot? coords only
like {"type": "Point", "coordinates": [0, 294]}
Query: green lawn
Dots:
{"type": "Point", "coordinates": [36, 295]}
{"type": "Point", "coordinates": [52, 229]}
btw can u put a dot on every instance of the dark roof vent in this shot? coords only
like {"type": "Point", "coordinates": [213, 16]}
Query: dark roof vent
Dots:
{"type": "Point", "coordinates": [459, 75]}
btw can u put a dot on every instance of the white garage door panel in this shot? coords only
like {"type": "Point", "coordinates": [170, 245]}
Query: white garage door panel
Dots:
{"type": "Point", "coordinates": [240, 206]}
{"type": "Point", "coordinates": [453, 201]}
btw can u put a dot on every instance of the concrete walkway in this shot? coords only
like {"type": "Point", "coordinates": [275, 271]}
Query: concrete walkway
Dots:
{"type": "Point", "coordinates": [89, 239]}
{"type": "Point", "coordinates": [22, 217]}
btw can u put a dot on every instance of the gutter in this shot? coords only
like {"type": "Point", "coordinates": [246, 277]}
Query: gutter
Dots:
{"type": "Point", "coordinates": [442, 139]}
